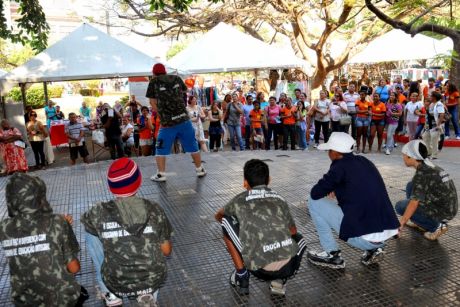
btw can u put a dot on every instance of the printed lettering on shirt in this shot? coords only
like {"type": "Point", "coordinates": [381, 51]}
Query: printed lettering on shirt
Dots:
{"type": "Point", "coordinates": [260, 194]}
{"type": "Point", "coordinates": [444, 176]}
{"type": "Point", "coordinates": [12, 249]}
{"type": "Point", "coordinates": [119, 233]}
{"type": "Point", "coordinates": [135, 293]}
{"type": "Point", "coordinates": [276, 245]}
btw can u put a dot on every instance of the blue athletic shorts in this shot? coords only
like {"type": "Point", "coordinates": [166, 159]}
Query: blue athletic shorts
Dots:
{"type": "Point", "coordinates": [362, 121]}
{"type": "Point", "coordinates": [183, 131]}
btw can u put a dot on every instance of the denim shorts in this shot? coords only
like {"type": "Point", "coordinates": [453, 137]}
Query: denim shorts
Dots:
{"type": "Point", "coordinates": [167, 135]}
{"type": "Point", "coordinates": [362, 122]}
{"type": "Point", "coordinates": [378, 122]}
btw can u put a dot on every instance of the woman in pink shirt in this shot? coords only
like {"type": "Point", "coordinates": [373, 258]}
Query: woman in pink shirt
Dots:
{"type": "Point", "coordinates": [274, 122]}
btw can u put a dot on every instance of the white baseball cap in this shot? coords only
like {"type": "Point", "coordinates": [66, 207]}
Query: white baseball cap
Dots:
{"type": "Point", "coordinates": [340, 142]}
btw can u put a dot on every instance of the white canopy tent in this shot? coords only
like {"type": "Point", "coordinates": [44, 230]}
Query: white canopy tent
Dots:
{"type": "Point", "coordinates": [397, 45]}
{"type": "Point", "coordinates": [225, 49]}
{"type": "Point", "coordinates": [86, 53]}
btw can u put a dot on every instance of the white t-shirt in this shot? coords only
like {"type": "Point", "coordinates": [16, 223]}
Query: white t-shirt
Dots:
{"type": "Point", "coordinates": [350, 100]}
{"type": "Point", "coordinates": [438, 108]}
{"type": "Point", "coordinates": [322, 105]}
{"type": "Point", "coordinates": [410, 108]}
{"type": "Point", "coordinates": [125, 128]}
{"type": "Point", "coordinates": [337, 110]}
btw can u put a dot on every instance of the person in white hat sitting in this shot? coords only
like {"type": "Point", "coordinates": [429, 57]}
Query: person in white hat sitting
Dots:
{"type": "Point", "coordinates": [431, 195]}
{"type": "Point", "coordinates": [352, 200]}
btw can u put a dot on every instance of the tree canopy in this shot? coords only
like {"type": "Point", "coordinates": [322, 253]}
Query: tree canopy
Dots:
{"type": "Point", "coordinates": [30, 28]}
{"type": "Point", "coordinates": [439, 17]}
{"type": "Point", "coordinates": [312, 27]}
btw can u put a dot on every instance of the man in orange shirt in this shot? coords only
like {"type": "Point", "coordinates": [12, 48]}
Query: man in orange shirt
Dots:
{"type": "Point", "coordinates": [288, 117]}
{"type": "Point", "coordinates": [257, 116]}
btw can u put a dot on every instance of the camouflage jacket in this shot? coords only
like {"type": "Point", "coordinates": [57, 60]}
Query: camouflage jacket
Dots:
{"type": "Point", "coordinates": [131, 230]}
{"type": "Point", "coordinates": [264, 232]}
{"type": "Point", "coordinates": [170, 92]}
{"type": "Point", "coordinates": [38, 245]}
{"type": "Point", "coordinates": [435, 191]}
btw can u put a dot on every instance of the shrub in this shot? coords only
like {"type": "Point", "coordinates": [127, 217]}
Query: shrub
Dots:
{"type": "Point", "coordinates": [89, 92]}
{"type": "Point", "coordinates": [124, 100]}
{"type": "Point", "coordinates": [55, 91]}
{"type": "Point", "coordinates": [35, 95]}
{"type": "Point", "coordinates": [90, 102]}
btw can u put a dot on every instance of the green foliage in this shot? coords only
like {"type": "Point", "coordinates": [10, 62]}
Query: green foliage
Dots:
{"type": "Point", "coordinates": [35, 95]}
{"type": "Point", "coordinates": [92, 84]}
{"type": "Point", "coordinates": [124, 100]}
{"type": "Point", "coordinates": [32, 25]}
{"type": "Point", "coordinates": [89, 92]}
{"type": "Point", "coordinates": [90, 102]}
{"type": "Point", "coordinates": [175, 49]}
{"type": "Point", "coordinates": [180, 5]}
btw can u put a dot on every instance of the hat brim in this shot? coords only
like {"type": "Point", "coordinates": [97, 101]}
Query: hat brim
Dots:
{"type": "Point", "coordinates": [324, 146]}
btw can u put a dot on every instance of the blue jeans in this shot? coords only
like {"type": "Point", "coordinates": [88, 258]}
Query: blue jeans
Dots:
{"type": "Point", "coordinates": [96, 252]}
{"type": "Point", "coordinates": [302, 137]}
{"type": "Point", "coordinates": [327, 216]}
{"type": "Point", "coordinates": [454, 117]}
{"type": "Point", "coordinates": [235, 130]}
{"type": "Point", "coordinates": [418, 217]}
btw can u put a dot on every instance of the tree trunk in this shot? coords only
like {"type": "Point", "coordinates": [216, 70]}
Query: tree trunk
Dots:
{"type": "Point", "coordinates": [454, 73]}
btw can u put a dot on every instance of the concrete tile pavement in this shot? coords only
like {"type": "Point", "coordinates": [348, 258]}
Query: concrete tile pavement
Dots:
{"type": "Point", "coordinates": [415, 271]}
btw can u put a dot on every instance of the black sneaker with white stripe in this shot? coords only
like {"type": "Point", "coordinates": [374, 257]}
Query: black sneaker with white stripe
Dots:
{"type": "Point", "coordinates": [331, 260]}
{"type": "Point", "coordinates": [372, 256]}
{"type": "Point", "coordinates": [240, 282]}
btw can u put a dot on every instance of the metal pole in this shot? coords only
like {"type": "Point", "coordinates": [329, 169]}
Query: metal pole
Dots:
{"type": "Point", "coordinates": [23, 93]}
{"type": "Point", "coordinates": [255, 80]}
{"type": "Point", "coordinates": [45, 90]}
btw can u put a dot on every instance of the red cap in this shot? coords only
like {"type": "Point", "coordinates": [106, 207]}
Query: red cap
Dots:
{"type": "Point", "coordinates": [159, 69]}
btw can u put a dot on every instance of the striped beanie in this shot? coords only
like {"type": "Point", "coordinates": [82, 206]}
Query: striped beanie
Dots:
{"type": "Point", "coordinates": [124, 177]}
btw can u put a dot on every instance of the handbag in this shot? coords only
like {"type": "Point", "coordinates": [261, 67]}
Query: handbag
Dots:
{"type": "Point", "coordinates": [345, 120]}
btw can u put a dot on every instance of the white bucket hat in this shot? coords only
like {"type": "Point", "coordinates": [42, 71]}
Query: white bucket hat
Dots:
{"type": "Point", "coordinates": [340, 142]}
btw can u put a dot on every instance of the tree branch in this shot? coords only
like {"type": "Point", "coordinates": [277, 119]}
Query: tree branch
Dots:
{"type": "Point", "coordinates": [410, 24]}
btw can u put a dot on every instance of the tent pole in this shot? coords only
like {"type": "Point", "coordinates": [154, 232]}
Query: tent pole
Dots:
{"type": "Point", "coordinates": [45, 90]}
{"type": "Point", "coordinates": [23, 93]}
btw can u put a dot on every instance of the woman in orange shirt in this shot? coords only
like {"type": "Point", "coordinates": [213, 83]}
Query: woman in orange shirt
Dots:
{"type": "Point", "coordinates": [453, 99]}
{"type": "Point", "coordinates": [257, 116]}
{"type": "Point", "coordinates": [378, 111]}
{"type": "Point", "coordinates": [362, 120]}
{"type": "Point", "coordinates": [145, 132]}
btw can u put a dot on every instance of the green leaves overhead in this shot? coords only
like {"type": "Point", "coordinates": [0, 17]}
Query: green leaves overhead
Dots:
{"type": "Point", "coordinates": [32, 27]}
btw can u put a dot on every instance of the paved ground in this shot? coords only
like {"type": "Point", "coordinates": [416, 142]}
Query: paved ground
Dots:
{"type": "Point", "coordinates": [415, 271]}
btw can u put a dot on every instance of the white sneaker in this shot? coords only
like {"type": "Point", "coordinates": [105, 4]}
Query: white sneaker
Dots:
{"type": "Point", "coordinates": [387, 152]}
{"type": "Point", "coordinates": [201, 172]}
{"type": "Point", "coordinates": [315, 146]}
{"type": "Point", "coordinates": [396, 144]}
{"type": "Point", "coordinates": [159, 177]}
{"type": "Point", "coordinates": [446, 137]}
{"type": "Point", "coordinates": [112, 300]}
{"type": "Point", "coordinates": [146, 300]}
{"type": "Point", "coordinates": [457, 137]}
{"type": "Point", "coordinates": [277, 287]}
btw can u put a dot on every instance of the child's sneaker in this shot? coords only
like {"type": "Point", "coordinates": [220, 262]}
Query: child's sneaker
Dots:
{"type": "Point", "coordinates": [200, 172]}
{"type": "Point", "coordinates": [146, 300]}
{"type": "Point", "coordinates": [277, 287]}
{"type": "Point", "coordinates": [241, 282]}
{"type": "Point", "coordinates": [159, 177]}
{"type": "Point", "coordinates": [442, 229]}
{"type": "Point", "coordinates": [112, 300]}
{"type": "Point", "coordinates": [331, 260]}
{"type": "Point", "coordinates": [372, 256]}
